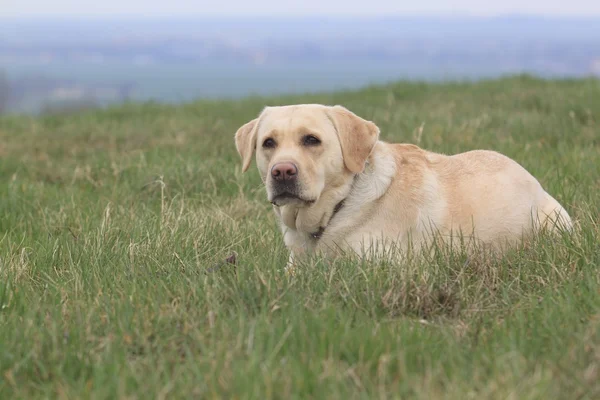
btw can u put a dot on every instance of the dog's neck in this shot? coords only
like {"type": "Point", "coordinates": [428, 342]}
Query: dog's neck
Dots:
{"type": "Point", "coordinates": [315, 218]}
{"type": "Point", "coordinates": [365, 187]}
{"type": "Point", "coordinates": [319, 232]}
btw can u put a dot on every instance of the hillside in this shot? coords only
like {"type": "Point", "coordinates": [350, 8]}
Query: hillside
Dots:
{"type": "Point", "coordinates": [109, 221]}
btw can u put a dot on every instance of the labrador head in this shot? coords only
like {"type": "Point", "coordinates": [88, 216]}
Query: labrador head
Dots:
{"type": "Point", "coordinates": [302, 150]}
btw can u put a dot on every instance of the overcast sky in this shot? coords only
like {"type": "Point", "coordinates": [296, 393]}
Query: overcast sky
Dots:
{"type": "Point", "coordinates": [279, 7]}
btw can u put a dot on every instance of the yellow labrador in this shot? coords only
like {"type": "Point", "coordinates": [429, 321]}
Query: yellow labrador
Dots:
{"type": "Point", "coordinates": [335, 187]}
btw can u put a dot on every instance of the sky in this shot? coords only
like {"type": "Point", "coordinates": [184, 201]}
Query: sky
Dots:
{"type": "Point", "coordinates": [24, 8]}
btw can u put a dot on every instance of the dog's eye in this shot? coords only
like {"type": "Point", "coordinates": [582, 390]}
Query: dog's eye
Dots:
{"type": "Point", "coordinates": [310, 140]}
{"type": "Point", "coordinates": [269, 143]}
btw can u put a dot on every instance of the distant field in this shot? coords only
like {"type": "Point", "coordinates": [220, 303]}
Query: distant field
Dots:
{"type": "Point", "coordinates": [185, 82]}
{"type": "Point", "coordinates": [110, 219]}
{"type": "Point", "coordinates": [178, 83]}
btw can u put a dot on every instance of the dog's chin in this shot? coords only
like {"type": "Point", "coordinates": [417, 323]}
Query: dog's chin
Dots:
{"type": "Point", "coordinates": [285, 199]}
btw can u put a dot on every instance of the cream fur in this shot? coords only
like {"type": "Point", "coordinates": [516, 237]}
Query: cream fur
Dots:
{"type": "Point", "coordinates": [404, 196]}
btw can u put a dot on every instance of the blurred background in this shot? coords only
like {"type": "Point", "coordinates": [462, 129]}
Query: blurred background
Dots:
{"type": "Point", "coordinates": [74, 54]}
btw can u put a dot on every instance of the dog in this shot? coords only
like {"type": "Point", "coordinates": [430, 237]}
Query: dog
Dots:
{"type": "Point", "coordinates": [336, 188]}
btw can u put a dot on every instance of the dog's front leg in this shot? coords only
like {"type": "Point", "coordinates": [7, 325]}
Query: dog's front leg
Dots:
{"type": "Point", "coordinates": [298, 244]}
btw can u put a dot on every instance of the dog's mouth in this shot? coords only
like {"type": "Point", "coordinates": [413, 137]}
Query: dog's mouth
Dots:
{"type": "Point", "coordinates": [286, 198]}
{"type": "Point", "coordinates": [287, 192]}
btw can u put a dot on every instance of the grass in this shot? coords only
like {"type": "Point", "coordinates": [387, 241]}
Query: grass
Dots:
{"type": "Point", "coordinates": [109, 221]}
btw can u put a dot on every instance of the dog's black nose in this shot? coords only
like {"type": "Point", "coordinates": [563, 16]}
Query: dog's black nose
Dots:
{"type": "Point", "coordinates": [284, 171]}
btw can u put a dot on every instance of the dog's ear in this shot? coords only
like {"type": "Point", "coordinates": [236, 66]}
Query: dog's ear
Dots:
{"type": "Point", "coordinates": [357, 137]}
{"type": "Point", "coordinates": [245, 142]}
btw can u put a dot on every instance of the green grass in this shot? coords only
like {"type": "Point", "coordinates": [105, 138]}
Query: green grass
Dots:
{"type": "Point", "coordinates": [110, 219]}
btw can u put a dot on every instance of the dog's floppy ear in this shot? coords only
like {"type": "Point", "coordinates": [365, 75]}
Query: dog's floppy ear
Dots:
{"type": "Point", "coordinates": [245, 142]}
{"type": "Point", "coordinates": [357, 137]}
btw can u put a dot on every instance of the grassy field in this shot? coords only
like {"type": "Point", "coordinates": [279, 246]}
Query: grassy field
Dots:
{"type": "Point", "coordinates": [109, 221]}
